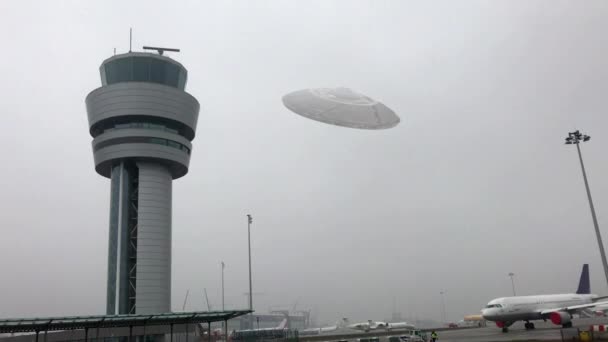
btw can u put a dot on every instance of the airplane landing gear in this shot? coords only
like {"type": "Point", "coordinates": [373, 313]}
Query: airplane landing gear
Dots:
{"type": "Point", "coordinates": [567, 325]}
{"type": "Point", "coordinates": [529, 326]}
{"type": "Point", "coordinates": [505, 330]}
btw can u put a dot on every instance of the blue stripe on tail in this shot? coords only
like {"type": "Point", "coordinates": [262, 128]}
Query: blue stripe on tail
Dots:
{"type": "Point", "coordinates": [584, 287]}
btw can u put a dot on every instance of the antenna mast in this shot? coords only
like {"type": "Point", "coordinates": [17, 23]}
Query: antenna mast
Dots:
{"type": "Point", "coordinates": [130, 38]}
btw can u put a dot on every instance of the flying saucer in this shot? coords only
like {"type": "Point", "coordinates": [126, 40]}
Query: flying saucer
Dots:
{"type": "Point", "coordinates": [341, 107]}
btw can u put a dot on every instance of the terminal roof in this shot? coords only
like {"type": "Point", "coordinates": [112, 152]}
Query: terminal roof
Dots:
{"type": "Point", "coordinates": [114, 321]}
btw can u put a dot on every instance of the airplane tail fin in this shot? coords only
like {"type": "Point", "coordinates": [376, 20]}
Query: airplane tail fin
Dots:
{"type": "Point", "coordinates": [584, 286]}
{"type": "Point", "coordinates": [342, 323]}
{"type": "Point", "coordinates": [283, 324]}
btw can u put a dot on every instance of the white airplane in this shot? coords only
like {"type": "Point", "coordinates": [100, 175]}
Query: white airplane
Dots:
{"type": "Point", "coordinates": [244, 334]}
{"type": "Point", "coordinates": [371, 325]}
{"type": "Point", "coordinates": [400, 325]}
{"type": "Point", "coordinates": [558, 308]}
{"type": "Point", "coordinates": [343, 323]}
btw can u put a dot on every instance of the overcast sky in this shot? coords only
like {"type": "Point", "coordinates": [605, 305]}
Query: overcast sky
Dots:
{"type": "Point", "coordinates": [474, 183]}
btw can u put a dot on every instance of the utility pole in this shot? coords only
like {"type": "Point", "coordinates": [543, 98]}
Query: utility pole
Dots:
{"type": "Point", "coordinates": [575, 138]}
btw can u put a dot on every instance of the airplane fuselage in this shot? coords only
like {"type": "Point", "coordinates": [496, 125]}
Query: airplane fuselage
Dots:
{"type": "Point", "coordinates": [370, 325]}
{"type": "Point", "coordinates": [527, 308]}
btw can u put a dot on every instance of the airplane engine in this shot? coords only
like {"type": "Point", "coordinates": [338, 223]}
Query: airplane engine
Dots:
{"type": "Point", "coordinates": [500, 324]}
{"type": "Point", "coordinates": [560, 318]}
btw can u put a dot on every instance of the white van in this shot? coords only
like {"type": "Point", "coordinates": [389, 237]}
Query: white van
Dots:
{"type": "Point", "coordinates": [412, 336]}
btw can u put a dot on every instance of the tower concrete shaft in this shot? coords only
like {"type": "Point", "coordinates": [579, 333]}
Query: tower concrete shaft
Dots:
{"type": "Point", "coordinates": [142, 122]}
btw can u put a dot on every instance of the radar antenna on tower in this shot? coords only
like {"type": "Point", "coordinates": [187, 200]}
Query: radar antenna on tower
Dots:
{"type": "Point", "coordinates": [160, 50]}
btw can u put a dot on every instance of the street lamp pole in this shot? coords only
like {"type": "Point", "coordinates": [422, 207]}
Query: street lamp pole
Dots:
{"type": "Point", "coordinates": [511, 274]}
{"type": "Point", "coordinates": [223, 266]}
{"type": "Point", "coordinates": [225, 323]}
{"type": "Point", "coordinates": [249, 221]}
{"type": "Point", "coordinates": [575, 138]}
{"type": "Point", "coordinates": [443, 314]}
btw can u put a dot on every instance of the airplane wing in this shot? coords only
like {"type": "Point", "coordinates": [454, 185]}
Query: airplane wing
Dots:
{"type": "Point", "coordinates": [573, 308]}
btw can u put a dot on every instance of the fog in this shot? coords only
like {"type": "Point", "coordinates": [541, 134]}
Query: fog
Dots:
{"type": "Point", "coordinates": [474, 183]}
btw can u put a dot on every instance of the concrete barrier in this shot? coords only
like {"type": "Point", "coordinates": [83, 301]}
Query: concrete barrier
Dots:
{"type": "Point", "coordinates": [599, 332]}
{"type": "Point", "coordinates": [373, 333]}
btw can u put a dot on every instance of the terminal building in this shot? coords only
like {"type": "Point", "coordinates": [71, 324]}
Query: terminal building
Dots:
{"type": "Point", "coordinates": [142, 122]}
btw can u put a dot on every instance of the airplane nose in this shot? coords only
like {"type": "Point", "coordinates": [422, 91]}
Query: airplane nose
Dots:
{"type": "Point", "coordinates": [488, 314]}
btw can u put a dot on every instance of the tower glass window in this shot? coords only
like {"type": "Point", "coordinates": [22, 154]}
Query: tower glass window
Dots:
{"type": "Point", "coordinates": [145, 69]}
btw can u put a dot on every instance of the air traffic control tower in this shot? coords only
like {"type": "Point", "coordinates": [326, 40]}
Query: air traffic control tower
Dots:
{"type": "Point", "coordinates": [142, 122]}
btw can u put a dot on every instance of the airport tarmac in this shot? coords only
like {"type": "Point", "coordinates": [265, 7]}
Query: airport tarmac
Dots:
{"type": "Point", "coordinates": [494, 334]}
{"type": "Point", "coordinates": [545, 331]}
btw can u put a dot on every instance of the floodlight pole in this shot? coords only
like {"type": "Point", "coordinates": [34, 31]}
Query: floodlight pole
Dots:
{"type": "Point", "coordinates": [511, 274]}
{"type": "Point", "coordinates": [576, 138]}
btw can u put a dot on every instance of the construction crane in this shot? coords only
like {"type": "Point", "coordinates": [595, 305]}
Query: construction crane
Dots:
{"type": "Point", "coordinates": [207, 300]}
{"type": "Point", "coordinates": [185, 300]}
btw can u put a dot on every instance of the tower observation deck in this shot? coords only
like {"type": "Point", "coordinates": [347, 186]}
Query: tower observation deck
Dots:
{"type": "Point", "coordinates": [142, 122]}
